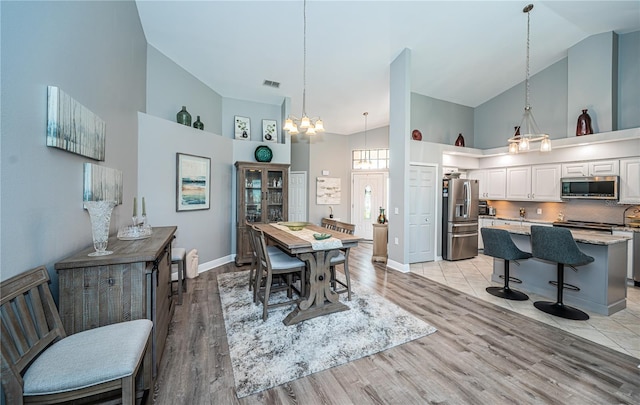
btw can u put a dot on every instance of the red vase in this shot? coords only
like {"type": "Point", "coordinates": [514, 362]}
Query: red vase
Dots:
{"type": "Point", "coordinates": [584, 124]}
{"type": "Point", "coordinates": [460, 140]}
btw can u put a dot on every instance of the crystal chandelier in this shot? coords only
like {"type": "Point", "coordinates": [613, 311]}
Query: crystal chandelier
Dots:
{"type": "Point", "coordinates": [364, 162]}
{"type": "Point", "coordinates": [528, 132]}
{"type": "Point", "coordinates": [305, 125]}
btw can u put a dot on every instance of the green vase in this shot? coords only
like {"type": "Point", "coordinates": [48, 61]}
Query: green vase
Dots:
{"type": "Point", "coordinates": [183, 117]}
{"type": "Point", "coordinates": [198, 124]}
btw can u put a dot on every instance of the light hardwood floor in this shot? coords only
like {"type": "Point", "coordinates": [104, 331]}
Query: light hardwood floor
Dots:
{"type": "Point", "coordinates": [481, 354]}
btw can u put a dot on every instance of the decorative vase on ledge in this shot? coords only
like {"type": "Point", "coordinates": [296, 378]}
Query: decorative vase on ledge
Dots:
{"type": "Point", "coordinates": [183, 117]}
{"type": "Point", "coordinates": [584, 124]}
{"type": "Point", "coordinates": [460, 140]}
{"type": "Point", "coordinates": [100, 214]}
{"type": "Point", "coordinates": [198, 124]}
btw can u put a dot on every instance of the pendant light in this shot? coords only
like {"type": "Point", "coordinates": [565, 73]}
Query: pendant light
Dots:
{"type": "Point", "coordinates": [305, 125]}
{"type": "Point", "coordinates": [365, 162]}
{"type": "Point", "coordinates": [528, 132]}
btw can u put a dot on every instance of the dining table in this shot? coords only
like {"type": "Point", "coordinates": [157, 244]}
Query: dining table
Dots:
{"type": "Point", "coordinates": [321, 298]}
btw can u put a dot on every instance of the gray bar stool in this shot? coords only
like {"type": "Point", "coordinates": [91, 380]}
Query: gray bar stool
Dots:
{"type": "Point", "coordinates": [557, 245]}
{"type": "Point", "coordinates": [498, 243]}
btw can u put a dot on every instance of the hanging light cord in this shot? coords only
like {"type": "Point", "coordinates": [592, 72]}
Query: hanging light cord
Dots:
{"type": "Point", "coordinates": [304, 60]}
{"type": "Point", "coordinates": [527, 10]}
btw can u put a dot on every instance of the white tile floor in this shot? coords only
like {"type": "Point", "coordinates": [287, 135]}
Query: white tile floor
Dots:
{"type": "Point", "coordinates": [620, 331]}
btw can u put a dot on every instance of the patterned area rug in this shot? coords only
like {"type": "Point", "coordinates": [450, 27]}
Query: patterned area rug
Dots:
{"type": "Point", "coordinates": [267, 354]}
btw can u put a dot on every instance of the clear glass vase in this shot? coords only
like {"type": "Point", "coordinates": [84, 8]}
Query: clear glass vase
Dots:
{"type": "Point", "coordinates": [100, 214]}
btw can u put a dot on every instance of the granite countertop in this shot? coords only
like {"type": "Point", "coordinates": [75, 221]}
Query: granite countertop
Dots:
{"type": "Point", "coordinates": [582, 236]}
{"type": "Point", "coordinates": [540, 221]}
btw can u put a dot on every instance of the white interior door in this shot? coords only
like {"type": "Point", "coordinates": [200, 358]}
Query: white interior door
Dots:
{"type": "Point", "coordinates": [298, 196]}
{"type": "Point", "coordinates": [422, 216]}
{"type": "Point", "coordinates": [368, 194]}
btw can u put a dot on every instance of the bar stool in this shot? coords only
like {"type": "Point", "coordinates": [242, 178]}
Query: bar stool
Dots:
{"type": "Point", "coordinates": [557, 245]}
{"type": "Point", "coordinates": [498, 243]}
{"type": "Point", "coordinates": [179, 257]}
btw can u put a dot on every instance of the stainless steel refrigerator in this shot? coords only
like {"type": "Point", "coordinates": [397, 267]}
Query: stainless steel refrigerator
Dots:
{"type": "Point", "coordinates": [459, 218]}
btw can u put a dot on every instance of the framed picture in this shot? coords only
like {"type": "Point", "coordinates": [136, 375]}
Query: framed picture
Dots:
{"type": "Point", "coordinates": [242, 127]}
{"type": "Point", "coordinates": [102, 183]}
{"type": "Point", "coordinates": [328, 190]}
{"type": "Point", "coordinates": [193, 182]}
{"type": "Point", "coordinates": [269, 131]}
{"type": "Point", "coordinates": [73, 127]}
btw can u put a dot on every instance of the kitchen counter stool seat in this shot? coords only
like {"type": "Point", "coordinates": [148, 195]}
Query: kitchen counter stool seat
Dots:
{"type": "Point", "coordinates": [557, 245]}
{"type": "Point", "coordinates": [498, 244]}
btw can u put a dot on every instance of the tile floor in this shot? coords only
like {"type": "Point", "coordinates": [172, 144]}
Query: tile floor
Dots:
{"type": "Point", "coordinates": [620, 331]}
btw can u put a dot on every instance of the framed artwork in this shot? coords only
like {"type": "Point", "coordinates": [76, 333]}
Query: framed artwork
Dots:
{"type": "Point", "coordinates": [193, 182]}
{"type": "Point", "coordinates": [73, 127]}
{"type": "Point", "coordinates": [328, 190]}
{"type": "Point", "coordinates": [269, 131]}
{"type": "Point", "coordinates": [102, 184]}
{"type": "Point", "coordinates": [242, 127]}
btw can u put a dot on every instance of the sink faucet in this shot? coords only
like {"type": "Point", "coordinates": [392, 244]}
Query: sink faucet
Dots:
{"type": "Point", "coordinates": [522, 213]}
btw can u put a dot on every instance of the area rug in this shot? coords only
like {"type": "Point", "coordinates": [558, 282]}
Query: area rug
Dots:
{"type": "Point", "coordinates": [268, 354]}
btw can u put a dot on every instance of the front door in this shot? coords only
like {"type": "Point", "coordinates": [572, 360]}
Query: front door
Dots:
{"type": "Point", "coordinates": [368, 194]}
{"type": "Point", "coordinates": [422, 223]}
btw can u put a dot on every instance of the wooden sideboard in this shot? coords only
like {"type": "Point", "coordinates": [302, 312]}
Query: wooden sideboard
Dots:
{"type": "Point", "coordinates": [132, 283]}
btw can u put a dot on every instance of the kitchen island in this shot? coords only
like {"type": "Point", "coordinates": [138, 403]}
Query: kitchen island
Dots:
{"type": "Point", "coordinates": [602, 283]}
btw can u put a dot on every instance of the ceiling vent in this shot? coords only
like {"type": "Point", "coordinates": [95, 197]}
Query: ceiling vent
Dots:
{"type": "Point", "coordinates": [271, 83]}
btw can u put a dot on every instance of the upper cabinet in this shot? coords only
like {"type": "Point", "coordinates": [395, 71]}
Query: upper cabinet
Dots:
{"type": "Point", "coordinates": [492, 183]}
{"type": "Point", "coordinates": [630, 181]}
{"type": "Point", "coordinates": [534, 183]}
{"type": "Point", "coordinates": [591, 169]}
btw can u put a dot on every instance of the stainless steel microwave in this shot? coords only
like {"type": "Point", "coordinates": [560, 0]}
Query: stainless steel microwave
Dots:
{"type": "Point", "coordinates": [597, 188]}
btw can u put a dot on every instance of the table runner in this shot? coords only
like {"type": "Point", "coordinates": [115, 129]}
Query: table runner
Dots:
{"type": "Point", "coordinates": [307, 234]}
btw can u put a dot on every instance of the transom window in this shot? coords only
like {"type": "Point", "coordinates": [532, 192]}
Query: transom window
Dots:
{"type": "Point", "coordinates": [370, 159]}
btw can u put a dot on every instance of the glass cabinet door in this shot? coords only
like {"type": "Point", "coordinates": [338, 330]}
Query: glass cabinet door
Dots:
{"type": "Point", "coordinates": [275, 196]}
{"type": "Point", "coordinates": [253, 195]}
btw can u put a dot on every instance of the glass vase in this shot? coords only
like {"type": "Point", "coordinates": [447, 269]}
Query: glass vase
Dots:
{"type": "Point", "coordinates": [198, 124]}
{"type": "Point", "coordinates": [584, 124]}
{"type": "Point", "coordinates": [183, 117]}
{"type": "Point", "coordinates": [100, 214]}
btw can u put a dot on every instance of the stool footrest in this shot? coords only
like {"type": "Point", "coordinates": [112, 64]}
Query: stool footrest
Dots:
{"type": "Point", "coordinates": [565, 285]}
{"type": "Point", "coordinates": [512, 279]}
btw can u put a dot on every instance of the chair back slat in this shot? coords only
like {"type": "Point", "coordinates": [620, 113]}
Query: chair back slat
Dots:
{"type": "Point", "coordinates": [345, 227]}
{"type": "Point", "coordinates": [329, 223]}
{"type": "Point", "coordinates": [30, 322]}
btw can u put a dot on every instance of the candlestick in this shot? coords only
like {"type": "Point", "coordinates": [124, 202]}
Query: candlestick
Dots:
{"type": "Point", "coordinates": [144, 208]}
{"type": "Point", "coordinates": [135, 207]}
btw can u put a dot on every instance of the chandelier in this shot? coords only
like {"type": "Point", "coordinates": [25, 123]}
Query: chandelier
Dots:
{"type": "Point", "coordinates": [364, 162]}
{"type": "Point", "coordinates": [305, 125]}
{"type": "Point", "coordinates": [528, 132]}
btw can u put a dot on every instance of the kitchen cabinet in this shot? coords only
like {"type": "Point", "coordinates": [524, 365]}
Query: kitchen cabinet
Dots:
{"type": "Point", "coordinates": [491, 183]}
{"type": "Point", "coordinates": [629, 251]}
{"type": "Point", "coordinates": [630, 181]}
{"type": "Point", "coordinates": [533, 183]}
{"type": "Point", "coordinates": [134, 282]}
{"type": "Point", "coordinates": [262, 197]}
{"type": "Point", "coordinates": [591, 168]}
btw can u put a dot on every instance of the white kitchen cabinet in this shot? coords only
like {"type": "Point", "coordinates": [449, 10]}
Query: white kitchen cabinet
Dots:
{"type": "Point", "coordinates": [492, 183]}
{"type": "Point", "coordinates": [591, 168]}
{"type": "Point", "coordinates": [545, 182]}
{"type": "Point", "coordinates": [630, 181]}
{"type": "Point", "coordinates": [534, 183]}
{"type": "Point", "coordinates": [519, 183]}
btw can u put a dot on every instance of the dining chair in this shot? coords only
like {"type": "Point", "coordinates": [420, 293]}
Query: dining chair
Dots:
{"type": "Point", "coordinates": [328, 223]}
{"type": "Point", "coordinates": [41, 364]}
{"type": "Point", "coordinates": [342, 258]}
{"type": "Point", "coordinates": [251, 235]}
{"type": "Point", "coordinates": [557, 245]}
{"type": "Point", "coordinates": [278, 264]}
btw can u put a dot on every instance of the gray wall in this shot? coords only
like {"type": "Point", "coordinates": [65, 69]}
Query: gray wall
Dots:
{"type": "Point", "coordinates": [441, 121]}
{"type": "Point", "coordinates": [169, 87]}
{"type": "Point", "coordinates": [629, 80]}
{"type": "Point", "coordinates": [96, 53]}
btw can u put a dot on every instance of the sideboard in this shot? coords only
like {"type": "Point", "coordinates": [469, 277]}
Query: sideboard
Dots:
{"type": "Point", "coordinates": [132, 283]}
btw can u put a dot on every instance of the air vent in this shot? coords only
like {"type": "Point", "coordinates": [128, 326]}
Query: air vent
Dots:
{"type": "Point", "coordinates": [271, 83]}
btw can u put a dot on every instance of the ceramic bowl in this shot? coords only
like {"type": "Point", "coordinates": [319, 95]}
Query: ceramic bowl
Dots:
{"type": "Point", "coordinates": [294, 226]}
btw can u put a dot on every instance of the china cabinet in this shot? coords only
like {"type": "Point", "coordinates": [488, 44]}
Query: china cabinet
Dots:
{"type": "Point", "coordinates": [132, 283]}
{"type": "Point", "coordinates": [262, 197]}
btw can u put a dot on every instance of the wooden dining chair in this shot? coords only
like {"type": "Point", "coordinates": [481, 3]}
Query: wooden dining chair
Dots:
{"type": "Point", "coordinates": [41, 364]}
{"type": "Point", "coordinates": [254, 271]}
{"type": "Point", "coordinates": [270, 265]}
{"type": "Point", "coordinates": [328, 223]}
{"type": "Point", "coordinates": [342, 258]}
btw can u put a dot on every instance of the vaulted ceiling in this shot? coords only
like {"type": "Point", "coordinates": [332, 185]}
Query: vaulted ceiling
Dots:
{"type": "Point", "coordinates": [464, 52]}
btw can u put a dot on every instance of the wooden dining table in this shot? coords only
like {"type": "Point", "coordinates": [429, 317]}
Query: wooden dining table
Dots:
{"type": "Point", "coordinates": [321, 298]}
